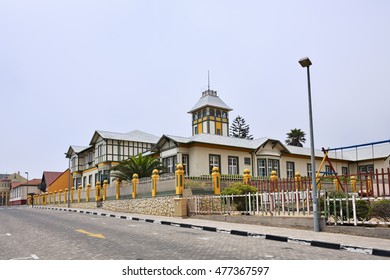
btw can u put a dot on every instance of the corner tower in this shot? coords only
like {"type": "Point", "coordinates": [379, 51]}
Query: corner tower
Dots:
{"type": "Point", "coordinates": [210, 115]}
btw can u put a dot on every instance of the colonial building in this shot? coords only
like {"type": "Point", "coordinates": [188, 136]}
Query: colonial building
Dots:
{"type": "Point", "coordinates": [6, 180]}
{"type": "Point", "coordinates": [19, 191]}
{"type": "Point", "coordinates": [90, 164]}
{"type": "Point", "coordinates": [211, 146]}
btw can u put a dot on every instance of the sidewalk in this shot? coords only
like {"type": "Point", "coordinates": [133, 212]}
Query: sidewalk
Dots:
{"type": "Point", "coordinates": [359, 244]}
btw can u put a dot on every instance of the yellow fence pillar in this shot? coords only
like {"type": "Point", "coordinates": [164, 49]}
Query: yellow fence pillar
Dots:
{"type": "Point", "coordinates": [97, 191]}
{"type": "Point", "coordinates": [369, 186]}
{"type": "Point", "coordinates": [66, 196]}
{"type": "Point", "coordinates": [118, 189]}
{"type": "Point", "coordinates": [79, 194]}
{"type": "Point", "coordinates": [155, 178]}
{"type": "Point", "coordinates": [216, 180]}
{"type": "Point", "coordinates": [28, 200]}
{"type": "Point", "coordinates": [247, 176]}
{"type": "Point", "coordinates": [105, 184]}
{"type": "Point", "coordinates": [72, 195]}
{"type": "Point", "coordinates": [179, 174]}
{"type": "Point", "coordinates": [55, 197]}
{"type": "Point", "coordinates": [353, 183]}
{"type": "Point", "coordinates": [298, 181]}
{"type": "Point", "coordinates": [88, 190]}
{"type": "Point", "coordinates": [274, 180]}
{"type": "Point", "coordinates": [318, 181]}
{"type": "Point", "coordinates": [44, 198]}
{"type": "Point", "coordinates": [336, 184]}
{"type": "Point", "coordinates": [135, 182]}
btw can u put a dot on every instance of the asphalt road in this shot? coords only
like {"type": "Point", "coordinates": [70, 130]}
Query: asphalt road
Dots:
{"type": "Point", "coordinates": [27, 233]}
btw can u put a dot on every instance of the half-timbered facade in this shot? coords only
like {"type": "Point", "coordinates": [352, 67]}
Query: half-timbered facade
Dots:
{"type": "Point", "coordinates": [91, 164]}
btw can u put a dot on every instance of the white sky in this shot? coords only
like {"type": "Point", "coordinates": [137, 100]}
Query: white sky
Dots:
{"type": "Point", "coordinates": [68, 68]}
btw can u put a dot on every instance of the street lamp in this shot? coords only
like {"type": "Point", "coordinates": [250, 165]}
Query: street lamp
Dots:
{"type": "Point", "coordinates": [68, 198]}
{"type": "Point", "coordinates": [27, 189]}
{"type": "Point", "coordinates": [305, 62]}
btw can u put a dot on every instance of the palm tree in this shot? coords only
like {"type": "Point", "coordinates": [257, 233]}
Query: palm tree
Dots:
{"type": "Point", "coordinates": [142, 165]}
{"type": "Point", "coordinates": [296, 137]}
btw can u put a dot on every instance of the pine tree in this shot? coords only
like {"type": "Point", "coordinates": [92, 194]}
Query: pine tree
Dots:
{"type": "Point", "coordinates": [240, 129]}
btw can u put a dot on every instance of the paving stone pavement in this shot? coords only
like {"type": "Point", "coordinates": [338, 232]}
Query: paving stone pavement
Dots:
{"type": "Point", "coordinates": [336, 241]}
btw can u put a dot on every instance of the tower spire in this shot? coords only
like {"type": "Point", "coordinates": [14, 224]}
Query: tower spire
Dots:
{"type": "Point", "coordinates": [208, 79]}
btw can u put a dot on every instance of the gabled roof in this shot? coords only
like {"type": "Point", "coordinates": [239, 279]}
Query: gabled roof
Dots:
{"type": "Point", "coordinates": [33, 182]}
{"type": "Point", "coordinates": [76, 149]}
{"type": "Point", "coordinates": [135, 135]}
{"type": "Point", "coordinates": [211, 99]}
{"type": "Point", "coordinates": [50, 176]}
{"type": "Point", "coordinates": [215, 140]}
{"type": "Point", "coordinates": [363, 153]}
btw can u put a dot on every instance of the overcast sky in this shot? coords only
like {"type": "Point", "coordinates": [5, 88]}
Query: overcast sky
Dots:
{"type": "Point", "coordinates": [68, 68]}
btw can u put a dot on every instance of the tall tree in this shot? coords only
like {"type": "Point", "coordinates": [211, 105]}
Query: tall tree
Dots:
{"type": "Point", "coordinates": [240, 129]}
{"type": "Point", "coordinates": [296, 137]}
{"type": "Point", "coordinates": [142, 165]}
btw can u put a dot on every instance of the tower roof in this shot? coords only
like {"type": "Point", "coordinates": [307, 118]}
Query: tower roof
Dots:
{"type": "Point", "coordinates": [210, 99]}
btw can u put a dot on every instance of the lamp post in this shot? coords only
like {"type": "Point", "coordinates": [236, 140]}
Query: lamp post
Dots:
{"type": "Point", "coordinates": [27, 189]}
{"type": "Point", "coordinates": [305, 63]}
{"type": "Point", "coordinates": [68, 199]}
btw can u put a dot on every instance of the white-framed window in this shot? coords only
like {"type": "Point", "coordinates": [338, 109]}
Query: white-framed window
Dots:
{"type": "Point", "coordinates": [308, 168]}
{"type": "Point", "coordinates": [170, 163]}
{"type": "Point", "coordinates": [273, 165]}
{"type": "Point", "coordinates": [73, 161]}
{"type": "Point", "coordinates": [290, 166]}
{"type": "Point", "coordinates": [186, 164]}
{"type": "Point", "coordinates": [261, 167]}
{"type": "Point", "coordinates": [366, 168]}
{"type": "Point", "coordinates": [214, 161]}
{"type": "Point", "coordinates": [233, 165]}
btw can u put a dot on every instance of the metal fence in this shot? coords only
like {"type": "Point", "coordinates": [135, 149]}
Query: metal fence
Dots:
{"type": "Point", "coordinates": [336, 210]}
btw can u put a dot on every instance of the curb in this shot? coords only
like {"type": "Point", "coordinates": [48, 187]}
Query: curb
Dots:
{"type": "Point", "coordinates": [314, 243]}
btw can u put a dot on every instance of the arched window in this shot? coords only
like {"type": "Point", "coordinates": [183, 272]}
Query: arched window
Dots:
{"type": "Point", "coordinates": [212, 112]}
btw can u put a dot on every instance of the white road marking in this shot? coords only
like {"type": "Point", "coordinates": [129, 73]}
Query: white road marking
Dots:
{"type": "Point", "coordinates": [34, 257]}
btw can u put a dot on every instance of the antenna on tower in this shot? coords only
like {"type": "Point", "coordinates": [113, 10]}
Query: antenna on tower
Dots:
{"type": "Point", "coordinates": [208, 79]}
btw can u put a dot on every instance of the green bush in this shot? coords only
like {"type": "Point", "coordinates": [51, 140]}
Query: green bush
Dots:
{"type": "Point", "coordinates": [240, 203]}
{"type": "Point", "coordinates": [239, 188]}
{"type": "Point", "coordinates": [362, 210]}
{"type": "Point", "coordinates": [381, 209]}
{"type": "Point", "coordinates": [362, 206]}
